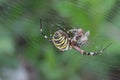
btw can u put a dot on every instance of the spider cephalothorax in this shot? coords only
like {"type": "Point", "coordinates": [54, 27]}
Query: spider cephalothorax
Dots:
{"type": "Point", "coordinates": [63, 40]}
{"type": "Point", "coordinates": [79, 37]}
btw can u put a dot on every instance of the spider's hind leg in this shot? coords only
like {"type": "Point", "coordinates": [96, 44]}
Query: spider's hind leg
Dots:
{"type": "Point", "coordinates": [41, 30]}
{"type": "Point", "coordinates": [61, 28]}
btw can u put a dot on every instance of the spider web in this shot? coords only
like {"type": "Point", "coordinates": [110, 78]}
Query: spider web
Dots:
{"type": "Point", "coordinates": [106, 65]}
{"type": "Point", "coordinates": [51, 26]}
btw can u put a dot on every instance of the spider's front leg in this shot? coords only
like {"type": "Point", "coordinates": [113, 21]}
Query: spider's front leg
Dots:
{"type": "Point", "coordinates": [90, 53]}
{"type": "Point", "coordinates": [84, 52]}
{"type": "Point", "coordinates": [81, 41]}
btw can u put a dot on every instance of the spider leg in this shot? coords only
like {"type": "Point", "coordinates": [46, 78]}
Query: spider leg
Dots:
{"type": "Point", "coordinates": [90, 53]}
{"type": "Point", "coordinates": [60, 27]}
{"type": "Point", "coordinates": [41, 30]}
{"type": "Point", "coordinates": [102, 50]}
{"type": "Point", "coordinates": [50, 30]}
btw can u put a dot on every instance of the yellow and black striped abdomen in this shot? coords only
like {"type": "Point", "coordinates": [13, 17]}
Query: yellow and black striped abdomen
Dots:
{"type": "Point", "coordinates": [60, 40]}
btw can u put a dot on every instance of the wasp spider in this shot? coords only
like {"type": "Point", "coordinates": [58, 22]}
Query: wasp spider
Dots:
{"type": "Point", "coordinates": [63, 40]}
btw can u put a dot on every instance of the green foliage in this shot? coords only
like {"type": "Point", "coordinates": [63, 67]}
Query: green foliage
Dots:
{"type": "Point", "coordinates": [20, 35]}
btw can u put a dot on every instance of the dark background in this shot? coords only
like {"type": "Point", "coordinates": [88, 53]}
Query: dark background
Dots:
{"type": "Point", "coordinates": [26, 55]}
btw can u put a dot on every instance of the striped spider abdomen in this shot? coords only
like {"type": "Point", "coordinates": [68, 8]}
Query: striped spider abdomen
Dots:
{"type": "Point", "coordinates": [60, 40]}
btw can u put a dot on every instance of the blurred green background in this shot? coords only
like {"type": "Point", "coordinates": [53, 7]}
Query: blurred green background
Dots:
{"type": "Point", "coordinates": [26, 55]}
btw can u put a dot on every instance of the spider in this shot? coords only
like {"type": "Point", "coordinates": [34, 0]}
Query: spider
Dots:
{"type": "Point", "coordinates": [63, 40]}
